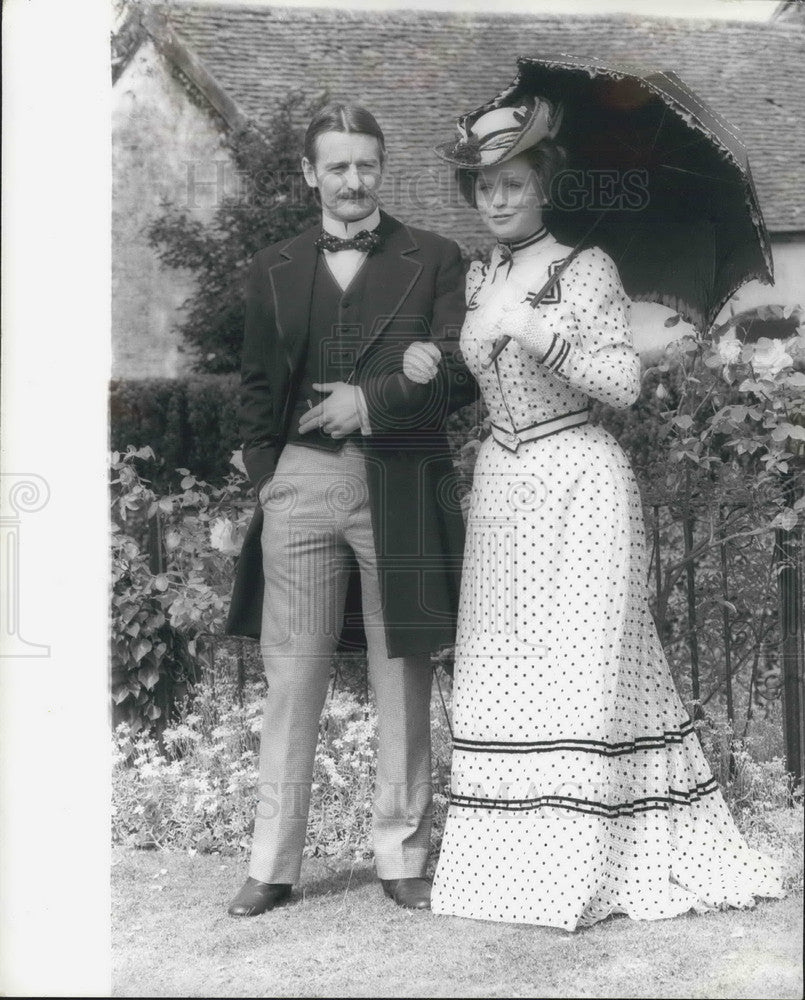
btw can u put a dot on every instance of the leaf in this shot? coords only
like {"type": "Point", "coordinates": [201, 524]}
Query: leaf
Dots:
{"type": "Point", "coordinates": [161, 582]}
{"type": "Point", "coordinates": [796, 379]}
{"type": "Point", "coordinates": [119, 694]}
{"type": "Point", "coordinates": [786, 520]}
{"type": "Point", "coordinates": [784, 430]}
{"type": "Point", "coordinates": [148, 676]}
{"type": "Point", "coordinates": [684, 421]}
{"type": "Point", "coordinates": [672, 320]}
{"type": "Point", "coordinates": [140, 648]}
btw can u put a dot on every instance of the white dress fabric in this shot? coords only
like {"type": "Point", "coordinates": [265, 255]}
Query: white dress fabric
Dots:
{"type": "Point", "coordinates": [579, 788]}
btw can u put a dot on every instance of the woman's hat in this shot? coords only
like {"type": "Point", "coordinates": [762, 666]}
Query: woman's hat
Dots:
{"type": "Point", "coordinates": [492, 135]}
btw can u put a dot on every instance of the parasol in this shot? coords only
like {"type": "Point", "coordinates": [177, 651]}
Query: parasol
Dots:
{"type": "Point", "coordinates": [655, 177]}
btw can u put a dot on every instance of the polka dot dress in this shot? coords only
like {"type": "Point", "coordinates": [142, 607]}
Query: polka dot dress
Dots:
{"type": "Point", "coordinates": [579, 788]}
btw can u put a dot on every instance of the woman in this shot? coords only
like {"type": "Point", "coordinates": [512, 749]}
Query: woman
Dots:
{"type": "Point", "coordinates": [579, 788]}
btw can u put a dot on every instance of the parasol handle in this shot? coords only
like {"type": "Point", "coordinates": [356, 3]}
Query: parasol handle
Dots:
{"type": "Point", "coordinates": [502, 342]}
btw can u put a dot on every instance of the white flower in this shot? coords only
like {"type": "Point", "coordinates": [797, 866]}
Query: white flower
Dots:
{"type": "Point", "coordinates": [770, 358]}
{"type": "Point", "coordinates": [223, 536]}
{"type": "Point", "coordinates": [729, 350]}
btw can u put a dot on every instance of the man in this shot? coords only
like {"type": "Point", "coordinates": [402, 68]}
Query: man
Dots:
{"type": "Point", "coordinates": [351, 466]}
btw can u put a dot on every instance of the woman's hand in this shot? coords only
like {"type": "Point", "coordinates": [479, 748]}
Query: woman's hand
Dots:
{"type": "Point", "coordinates": [421, 361]}
{"type": "Point", "coordinates": [524, 325]}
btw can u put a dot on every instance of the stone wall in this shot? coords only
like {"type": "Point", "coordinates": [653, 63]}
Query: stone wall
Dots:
{"type": "Point", "coordinates": [166, 145]}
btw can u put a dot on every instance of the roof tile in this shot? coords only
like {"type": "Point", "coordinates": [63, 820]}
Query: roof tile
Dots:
{"type": "Point", "coordinates": [417, 70]}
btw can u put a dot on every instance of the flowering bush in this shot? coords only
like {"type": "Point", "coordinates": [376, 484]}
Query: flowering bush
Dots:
{"type": "Point", "coordinates": [171, 571]}
{"type": "Point", "coordinates": [197, 791]}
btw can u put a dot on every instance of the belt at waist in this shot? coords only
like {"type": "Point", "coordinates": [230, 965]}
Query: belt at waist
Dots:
{"type": "Point", "coordinates": [513, 439]}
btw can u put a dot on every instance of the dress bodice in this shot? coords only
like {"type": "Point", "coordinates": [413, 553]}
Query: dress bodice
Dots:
{"type": "Point", "coordinates": [575, 345]}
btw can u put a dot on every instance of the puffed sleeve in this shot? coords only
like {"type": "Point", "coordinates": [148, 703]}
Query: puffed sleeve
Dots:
{"type": "Point", "coordinates": [475, 278]}
{"type": "Point", "coordinates": [594, 352]}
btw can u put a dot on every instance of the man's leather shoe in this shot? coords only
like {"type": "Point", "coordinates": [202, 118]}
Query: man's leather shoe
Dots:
{"type": "Point", "coordinates": [256, 897]}
{"type": "Point", "coordinates": [412, 893]}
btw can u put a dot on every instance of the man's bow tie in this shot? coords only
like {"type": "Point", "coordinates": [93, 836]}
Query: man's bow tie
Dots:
{"type": "Point", "coordinates": [364, 241]}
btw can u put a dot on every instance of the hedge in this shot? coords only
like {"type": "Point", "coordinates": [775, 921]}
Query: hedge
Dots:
{"type": "Point", "coordinates": [190, 423]}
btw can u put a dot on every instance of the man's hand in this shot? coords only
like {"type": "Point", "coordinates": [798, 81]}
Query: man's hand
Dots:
{"type": "Point", "coordinates": [337, 415]}
{"type": "Point", "coordinates": [421, 361]}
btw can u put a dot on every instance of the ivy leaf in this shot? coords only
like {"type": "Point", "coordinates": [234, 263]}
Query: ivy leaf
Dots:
{"type": "Point", "coordinates": [140, 648]}
{"type": "Point", "coordinates": [148, 676]}
{"type": "Point", "coordinates": [119, 694]}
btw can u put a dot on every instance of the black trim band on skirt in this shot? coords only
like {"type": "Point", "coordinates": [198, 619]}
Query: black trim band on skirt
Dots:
{"type": "Point", "coordinates": [647, 804]}
{"type": "Point", "coordinates": [672, 737]}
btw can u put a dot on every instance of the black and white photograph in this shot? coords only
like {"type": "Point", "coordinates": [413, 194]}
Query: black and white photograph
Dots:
{"type": "Point", "coordinates": [403, 494]}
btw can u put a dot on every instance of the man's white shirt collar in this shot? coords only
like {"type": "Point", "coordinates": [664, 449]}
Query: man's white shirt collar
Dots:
{"type": "Point", "coordinates": [348, 229]}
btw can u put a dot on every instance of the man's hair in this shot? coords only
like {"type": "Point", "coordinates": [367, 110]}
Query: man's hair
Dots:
{"type": "Point", "coordinates": [546, 159]}
{"type": "Point", "coordinates": [338, 116]}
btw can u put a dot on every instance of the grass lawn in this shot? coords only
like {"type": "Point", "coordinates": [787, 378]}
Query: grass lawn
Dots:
{"type": "Point", "coordinates": [340, 937]}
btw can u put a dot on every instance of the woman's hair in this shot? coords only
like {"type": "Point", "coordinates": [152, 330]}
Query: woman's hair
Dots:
{"type": "Point", "coordinates": [546, 159]}
{"type": "Point", "coordinates": [340, 117]}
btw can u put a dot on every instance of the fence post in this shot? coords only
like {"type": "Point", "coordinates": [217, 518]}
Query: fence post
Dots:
{"type": "Point", "coordinates": [727, 632]}
{"type": "Point", "coordinates": [690, 579]}
{"type": "Point", "coordinates": [725, 616]}
{"type": "Point", "coordinates": [789, 561]}
{"type": "Point", "coordinates": [156, 555]}
{"type": "Point", "coordinates": [241, 669]}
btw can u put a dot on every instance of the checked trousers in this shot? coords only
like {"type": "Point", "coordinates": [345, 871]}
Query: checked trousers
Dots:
{"type": "Point", "coordinates": [316, 508]}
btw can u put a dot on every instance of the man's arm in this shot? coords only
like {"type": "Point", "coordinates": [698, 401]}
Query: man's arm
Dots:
{"type": "Point", "coordinates": [257, 424]}
{"type": "Point", "coordinates": [395, 399]}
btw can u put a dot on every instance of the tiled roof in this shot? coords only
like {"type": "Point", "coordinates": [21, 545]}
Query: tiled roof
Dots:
{"type": "Point", "coordinates": [416, 71]}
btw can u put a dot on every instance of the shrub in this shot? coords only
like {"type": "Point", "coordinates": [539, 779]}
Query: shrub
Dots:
{"type": "Point", "coordinates": [192, 423]}
{"type": "Point", "coordinates": [167, 595]}
{"type": "Point", "coordinates": [272, 203]}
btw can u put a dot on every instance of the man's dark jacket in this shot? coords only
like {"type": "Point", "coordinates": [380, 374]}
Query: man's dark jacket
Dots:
{"type": "Point", "coordinates": [414, 292]}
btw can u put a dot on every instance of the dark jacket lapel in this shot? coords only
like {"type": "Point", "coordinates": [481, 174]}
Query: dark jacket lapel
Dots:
{"type": "Point", "coordinates": [390, 275]}
{"type": "Point", "coordinates": [292, 288]}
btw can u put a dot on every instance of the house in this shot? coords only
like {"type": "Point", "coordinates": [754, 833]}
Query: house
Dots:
{"type": "Point", "coordinates": [185, 74]}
